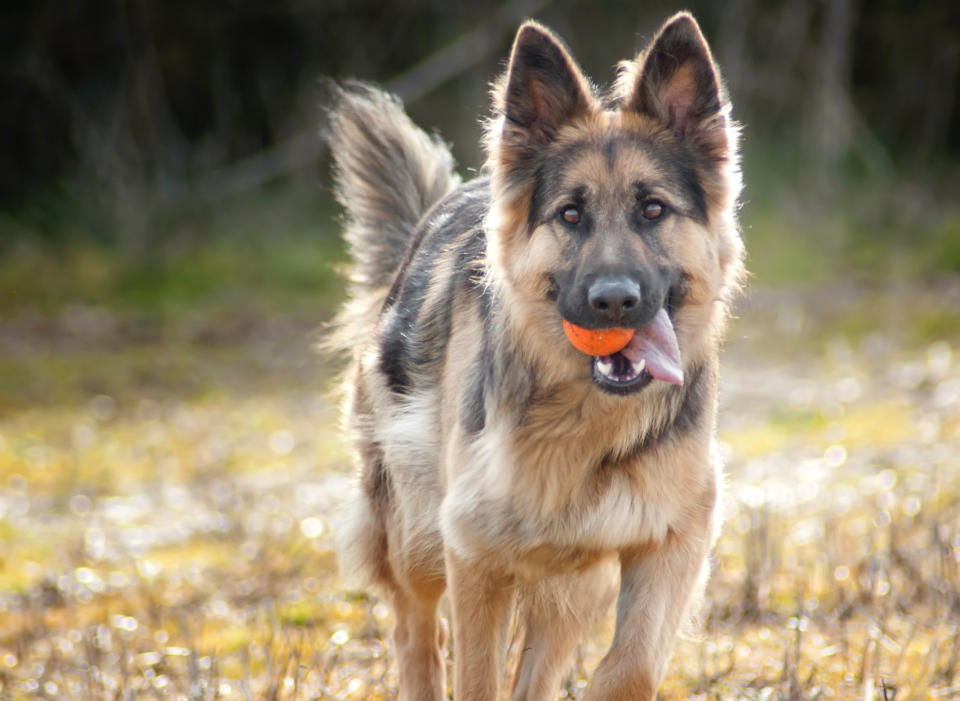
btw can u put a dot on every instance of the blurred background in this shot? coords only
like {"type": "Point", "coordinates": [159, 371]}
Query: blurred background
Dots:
{"type": "Point", "coordinates": [169, 247]}
{"type": "Point", "coordinates": [141, 126]}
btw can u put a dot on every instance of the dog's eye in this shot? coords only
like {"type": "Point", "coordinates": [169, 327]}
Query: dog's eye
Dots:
{"type": "Point", "coordinates": [570, 214]}
{"type": "Point", "coordinates": [653, 209]}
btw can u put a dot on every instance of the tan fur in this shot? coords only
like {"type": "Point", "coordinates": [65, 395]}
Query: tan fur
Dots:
{"type": "Point", "coordinates": [491, 465]}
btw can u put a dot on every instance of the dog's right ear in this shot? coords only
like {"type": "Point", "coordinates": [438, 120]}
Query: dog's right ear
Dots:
{"type": "Point", "coordinates": [544, 89]}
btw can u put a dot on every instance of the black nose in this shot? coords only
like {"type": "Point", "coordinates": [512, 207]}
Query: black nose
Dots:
{"type": "Point", "coordinates": [613, 297]}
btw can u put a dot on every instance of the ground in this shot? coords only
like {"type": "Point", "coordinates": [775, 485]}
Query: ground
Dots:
{"type": "Point", "coordinates": [168, 485]}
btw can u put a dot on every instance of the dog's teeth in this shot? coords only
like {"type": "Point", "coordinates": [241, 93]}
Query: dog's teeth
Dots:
{"type": "Point", "coordinates": [627, 373]}
{"type": "Point", "coordinates": [605, 366]}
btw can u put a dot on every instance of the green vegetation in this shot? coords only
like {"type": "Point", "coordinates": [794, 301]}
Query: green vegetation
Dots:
{"type": "Point", "coordinates": [276, 250]}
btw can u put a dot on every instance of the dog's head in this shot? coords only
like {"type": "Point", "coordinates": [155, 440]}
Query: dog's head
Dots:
{"type": "Point", "coordinates": [616, 210]}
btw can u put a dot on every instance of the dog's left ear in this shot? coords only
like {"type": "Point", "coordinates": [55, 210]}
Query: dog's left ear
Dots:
{"type": "Point", "coordinates": [678, 83]}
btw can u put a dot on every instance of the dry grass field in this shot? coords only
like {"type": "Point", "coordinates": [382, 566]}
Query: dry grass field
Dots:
{"type": "Point", "coordinates": [168, 489]}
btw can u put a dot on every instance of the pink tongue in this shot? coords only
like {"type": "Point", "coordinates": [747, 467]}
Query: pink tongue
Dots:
{"type": "Point", "coordinates": [657, 344]}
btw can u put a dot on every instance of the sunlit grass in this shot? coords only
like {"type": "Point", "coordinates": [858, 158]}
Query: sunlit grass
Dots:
{"type": "Point", "coordinates": [170, 471]}
{"type": "Point", "coordinates": [182, 547]}
{"type": "Point", "coordinates": [876, 424]}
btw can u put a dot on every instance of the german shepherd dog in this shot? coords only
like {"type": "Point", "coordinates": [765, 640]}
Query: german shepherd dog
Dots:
{"type": "Point", "coordinates": [497, 462]}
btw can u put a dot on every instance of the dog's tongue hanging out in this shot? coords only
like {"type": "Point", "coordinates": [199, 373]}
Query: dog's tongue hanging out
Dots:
{"type": "Point", "coordinates": [653, 348]}
{"type": "Point", "coordinates": [656, 343]}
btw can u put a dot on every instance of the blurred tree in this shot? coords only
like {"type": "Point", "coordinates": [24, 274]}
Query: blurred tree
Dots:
{"type": "Point", "coordinates": [148, 103]}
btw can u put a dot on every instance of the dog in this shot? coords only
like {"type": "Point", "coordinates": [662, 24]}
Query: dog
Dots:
{"type": "Point", "coordinates": [528, 480]}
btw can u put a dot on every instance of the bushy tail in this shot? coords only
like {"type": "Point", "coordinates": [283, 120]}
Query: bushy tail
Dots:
{"type": "Point", "coordinates": [388, 173]}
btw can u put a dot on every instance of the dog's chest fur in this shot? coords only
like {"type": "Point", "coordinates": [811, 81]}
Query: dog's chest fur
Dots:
{"type": "Point", "coordinates": [568, 476]}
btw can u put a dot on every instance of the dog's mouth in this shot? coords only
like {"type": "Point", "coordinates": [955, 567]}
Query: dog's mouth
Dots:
{"type": "Point", "coordinates": [652, 354]}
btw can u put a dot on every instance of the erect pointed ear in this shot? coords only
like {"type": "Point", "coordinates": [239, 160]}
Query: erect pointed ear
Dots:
{"type": "Point", "coordinates": [678, 83]}
{"type": "Point", "coordinates": [544, 88]}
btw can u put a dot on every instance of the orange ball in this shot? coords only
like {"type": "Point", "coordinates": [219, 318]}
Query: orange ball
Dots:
{"type": "Point", "coordinates": [599, 341]}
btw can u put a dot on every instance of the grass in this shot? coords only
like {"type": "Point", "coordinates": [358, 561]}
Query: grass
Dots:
{"type": "Point", "coordinates": [170, 469]}
{"type": "Point", "coordinates": [181, 549]}
{"type": "Point", "coordinates": [279, 253]}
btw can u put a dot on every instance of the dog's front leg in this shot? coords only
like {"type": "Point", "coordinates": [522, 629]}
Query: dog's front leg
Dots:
{"type": "Point", "coordinates": [657, 587]}
{"type": "Point", "coordinates": [481, 604]}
